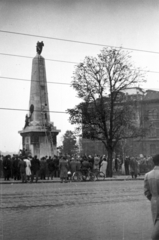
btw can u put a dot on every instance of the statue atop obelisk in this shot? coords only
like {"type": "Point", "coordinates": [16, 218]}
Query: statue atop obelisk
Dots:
{"type": "Point", "coordinates": [39, 134]}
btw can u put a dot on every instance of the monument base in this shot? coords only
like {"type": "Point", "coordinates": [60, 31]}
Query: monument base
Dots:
{"type": "Point", "coordinates": [37, 142]}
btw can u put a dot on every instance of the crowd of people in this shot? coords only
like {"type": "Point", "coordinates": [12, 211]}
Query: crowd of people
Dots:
{"type": "Point", "coordinates": [28, 169]}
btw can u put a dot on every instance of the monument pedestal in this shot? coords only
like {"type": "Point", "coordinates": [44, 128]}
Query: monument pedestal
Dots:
{"type": "Point", "coordinates": [37, 142]}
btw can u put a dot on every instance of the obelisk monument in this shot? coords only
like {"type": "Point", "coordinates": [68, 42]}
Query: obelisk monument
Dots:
{"type": "Point", "coordinates": [39, 134]}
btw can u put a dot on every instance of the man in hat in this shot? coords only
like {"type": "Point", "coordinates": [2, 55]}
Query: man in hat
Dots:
{"type": "Point", "coordinates": [151, 190]}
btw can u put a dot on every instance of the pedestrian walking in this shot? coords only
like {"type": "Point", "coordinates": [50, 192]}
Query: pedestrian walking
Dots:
{"type": "Point", "coordinates": [151, 191]}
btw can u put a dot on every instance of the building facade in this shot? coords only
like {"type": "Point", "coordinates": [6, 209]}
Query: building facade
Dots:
{"type": "Point", "coordinates": [145, 116]}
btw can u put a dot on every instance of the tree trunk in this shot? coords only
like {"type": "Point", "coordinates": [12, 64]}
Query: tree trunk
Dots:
{"type": "Point", "coordinates": [110, 160]}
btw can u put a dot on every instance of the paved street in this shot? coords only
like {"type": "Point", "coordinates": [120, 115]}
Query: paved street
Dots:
{"type": "Point", "coordinates": [110, 210]}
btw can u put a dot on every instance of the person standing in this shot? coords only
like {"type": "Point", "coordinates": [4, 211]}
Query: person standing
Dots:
{"type": "Point", "coordinates": [22, 166]}
{"type": "Point", "coordinates": [28, 168]}
{"type": "Point", "coordinates": [63, 167]}
{"type": "Point", "coordinates": [1, 166]}
{"type": "Point", "coordinates": [43, 168]}
{"type": "Point", "coordinates": [103, 167]}
{"type": "Point", "coordinates": [73, 165]}
{"type": "Point", "coordinates": [78, 165]}
{"type": "Point", "coordinates": [56, 166]}
{"type": "Point", "coordinates": [35, 167]}
{"type": "Point", "coordinates": [126, 163]}
{"type": "Point", "coordinates": [133, 167]}
{"type": "Point", "coordinates": [91, 162]}
{"type": "Point", "coordinates": [96, 164]}
{"type": "Point", "coordinates": [15, 167]}
{"type": "Point", "coordinates": [151, 191]}
{"type": "Point", "coordinates": [7, 167]}
{"type": "Point", "coordinates": [51, 168]}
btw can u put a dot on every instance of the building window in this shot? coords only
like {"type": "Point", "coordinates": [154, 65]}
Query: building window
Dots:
{"type": "Point", "coordinates": [34, 139]}
{"type": "Point", "coordinates": [153, 132]}
{"type": "Point", "coordinates": [27, 140]}
{"type": "Point", "coordinates": [153, 114]}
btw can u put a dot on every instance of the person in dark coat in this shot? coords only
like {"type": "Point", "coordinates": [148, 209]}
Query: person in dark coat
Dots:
{"type": "Point", "coordinates": [127, 160]}
{"type": "Point", "coordinates": [56, 166]}
{"type": "Point", "coordinates": [91, 161]}
{"type": "Point", "coordinates": [151, 191]}
{"type": "Point", "coordinates": [43, 168]}
{"type": "Point", "coordinates": [63, 167]}
{"type": "Point", "coordinates": [85, 166]}
{"type": "Point", "coordinates": [51, 167]}
{"type": "Point", "coordinates": [7, 167]}
{"type": "Point", "coordinates": [78, 166]}
{"type": "Point", "coordinates": [73, 166]}
{"type": "Point", "coordinates": [35, 167]}
{"type": "Point", "coordinates": [15, 167]}
{"type": "Point", "coordinates": [1, 166]}
{"type": "Point", "coordinates": [22, 167]}
{"type": "Point", "coordinates": [133, 167]}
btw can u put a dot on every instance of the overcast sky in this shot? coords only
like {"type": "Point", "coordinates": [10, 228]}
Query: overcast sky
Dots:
{"type": "Point", "coordinates": [121, 23]}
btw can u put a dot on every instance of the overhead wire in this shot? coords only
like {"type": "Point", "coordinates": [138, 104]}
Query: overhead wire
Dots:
{"type": "Point", "coordinates": [60, 112]}
{"type": "Point", "coordinates": [17, 109]}
{"type": "Point", "coordinates": [32, 80]}
{"type": "Point", "coordinates": [75, 41]}
{"type": "Point", "coordinates": [22, 56]}
{"type": "Point", "coordinates": [62, 61]}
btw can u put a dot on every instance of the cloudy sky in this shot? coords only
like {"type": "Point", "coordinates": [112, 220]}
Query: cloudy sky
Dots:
{"type": "Point", "coordinates": [121, 23]}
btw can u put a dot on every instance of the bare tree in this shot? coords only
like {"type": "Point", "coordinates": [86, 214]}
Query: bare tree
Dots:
{"type": "Point", "coordinates": [104, 113]}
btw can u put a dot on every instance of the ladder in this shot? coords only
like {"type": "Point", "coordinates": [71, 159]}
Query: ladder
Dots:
{"type": "Point", "coordinates": [45, 125]}
{"type": "Point", "coordinates": [50, 139]}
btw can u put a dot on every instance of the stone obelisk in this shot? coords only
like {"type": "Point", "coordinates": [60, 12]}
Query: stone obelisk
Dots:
{"type": "Point", "coordinates": [39, 134]}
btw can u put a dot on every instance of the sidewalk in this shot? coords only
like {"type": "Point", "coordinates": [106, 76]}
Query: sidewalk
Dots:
{"type": "Point", "coordinates": [57, 180]}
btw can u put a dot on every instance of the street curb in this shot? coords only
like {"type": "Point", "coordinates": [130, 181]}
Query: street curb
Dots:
{"type": "Point", "coordinates": [58, 181]}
